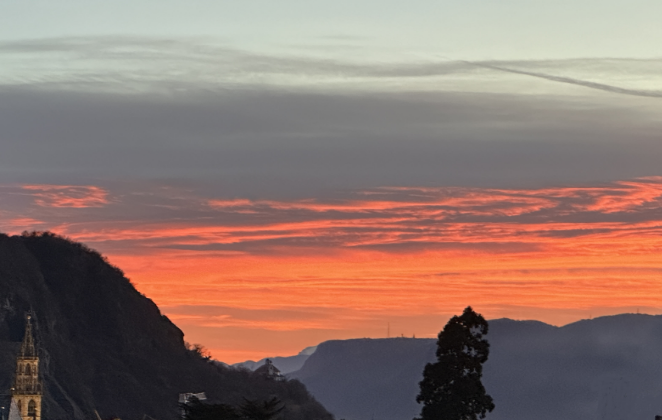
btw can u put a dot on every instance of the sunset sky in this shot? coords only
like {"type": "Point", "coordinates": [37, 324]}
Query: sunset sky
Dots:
{"type": "Point", "coordinates": [277, 174]}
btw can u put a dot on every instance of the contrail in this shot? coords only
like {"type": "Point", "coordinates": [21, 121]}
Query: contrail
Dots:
{"type": "Point", "coordinates": [569, 80]}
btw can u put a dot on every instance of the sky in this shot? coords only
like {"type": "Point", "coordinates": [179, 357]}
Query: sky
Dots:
{"type": "Point", "coordinates": [277, 174]}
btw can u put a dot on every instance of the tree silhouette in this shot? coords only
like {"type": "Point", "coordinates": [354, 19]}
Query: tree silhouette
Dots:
{"type": "Point", "coordinates": [197, 410]}
{"type": "Point", "coordinates": [267, 410]}
{"type": "Point", "coordinates": [451, 388]}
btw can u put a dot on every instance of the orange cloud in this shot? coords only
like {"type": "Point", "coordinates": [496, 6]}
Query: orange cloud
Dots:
{"type": "Point", "coordinates": [20, 222]}
{"type": "Point", "coordinates": [68, 195]}
{"type": "Point", "coordinates": [409, 256]}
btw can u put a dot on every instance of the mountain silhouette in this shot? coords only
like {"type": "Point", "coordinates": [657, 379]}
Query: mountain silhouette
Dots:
{"type": "Point", "coordinates": [104, 346]}
{"type": "Point", "coordinates": [607, 368]}
{"type": "Point", "coordinates": [284, 364]}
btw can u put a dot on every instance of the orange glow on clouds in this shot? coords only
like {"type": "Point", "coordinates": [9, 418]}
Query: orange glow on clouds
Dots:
{"type": "Point", "coordinates": [68, 195]}
{"type": "Point", "coordinates": [261, 278]}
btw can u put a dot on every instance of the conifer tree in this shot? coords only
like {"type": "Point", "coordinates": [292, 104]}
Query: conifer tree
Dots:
{"type": "Point", "coordinates": [451, 388]}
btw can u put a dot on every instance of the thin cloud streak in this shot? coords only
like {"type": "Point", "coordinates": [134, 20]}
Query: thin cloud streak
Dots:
{"type": "Point", "coordinates": [68, 195]}
{"type": "Point", "coordinates": [135, 64]}
{"type": "Point", "coordinates": [569, 80]}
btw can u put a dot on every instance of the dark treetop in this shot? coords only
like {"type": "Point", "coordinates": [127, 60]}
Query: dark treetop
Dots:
{"type": "Point", "coordinates": [451, 388]}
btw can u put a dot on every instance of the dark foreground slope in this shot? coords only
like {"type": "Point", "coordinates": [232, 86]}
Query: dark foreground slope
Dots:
{"type": "Point", "coordinates": [607, 368]}
{"type": "Point", "coordinates": [105, 346]}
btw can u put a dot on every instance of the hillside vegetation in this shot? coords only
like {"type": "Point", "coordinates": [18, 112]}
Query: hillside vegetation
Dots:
{"type": "Point", "coordinates": [106, 347]}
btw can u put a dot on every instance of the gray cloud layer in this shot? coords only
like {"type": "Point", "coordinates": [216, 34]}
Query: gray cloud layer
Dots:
{"type": "Point", "coordinates": [255, 125]}
{"type": "Point", "coordinates": [260, 143]}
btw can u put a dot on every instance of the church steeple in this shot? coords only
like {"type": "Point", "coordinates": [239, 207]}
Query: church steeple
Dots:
{"type": "Point", "coordinates": [27, 348]}
{"type": "Point", "coordinates": [27, 386]}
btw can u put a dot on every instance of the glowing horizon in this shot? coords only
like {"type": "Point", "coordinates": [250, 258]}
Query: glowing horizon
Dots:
{"type": "Point", "coordinates": [254, 278]}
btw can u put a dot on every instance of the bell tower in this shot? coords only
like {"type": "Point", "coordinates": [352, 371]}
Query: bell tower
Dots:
{"type": "Point", "coordinates": [27, 386]}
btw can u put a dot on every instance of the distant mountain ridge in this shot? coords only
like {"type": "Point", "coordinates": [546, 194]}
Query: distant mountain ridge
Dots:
{"type": "Point", "coordinates": [607, 368]}
{"type": "Point", "coordinates": [106, 347]}
{"type": "Point", "coordinates": [286, 364]}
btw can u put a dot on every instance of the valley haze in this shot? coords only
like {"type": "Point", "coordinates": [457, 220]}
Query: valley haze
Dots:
{"type": "Point", "coordinates": [605, 368]}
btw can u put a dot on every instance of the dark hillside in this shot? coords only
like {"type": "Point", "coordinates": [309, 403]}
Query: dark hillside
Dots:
{"type": "Point", "coordinates": [105, 346]}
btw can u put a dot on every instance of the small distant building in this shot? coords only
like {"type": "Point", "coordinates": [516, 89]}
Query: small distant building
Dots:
{"type": "Point", "coordinates": [268, 370]}
{"type": "Point", "coordinates": [27, 391]}
{"type": "Point", "coordinates": [187, 398]}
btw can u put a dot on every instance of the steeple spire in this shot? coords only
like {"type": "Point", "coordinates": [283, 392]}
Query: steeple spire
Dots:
{"type": "Point", "coordinates": [26, 393]}
{"type": "Point", "coordinates": [27, 348]}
